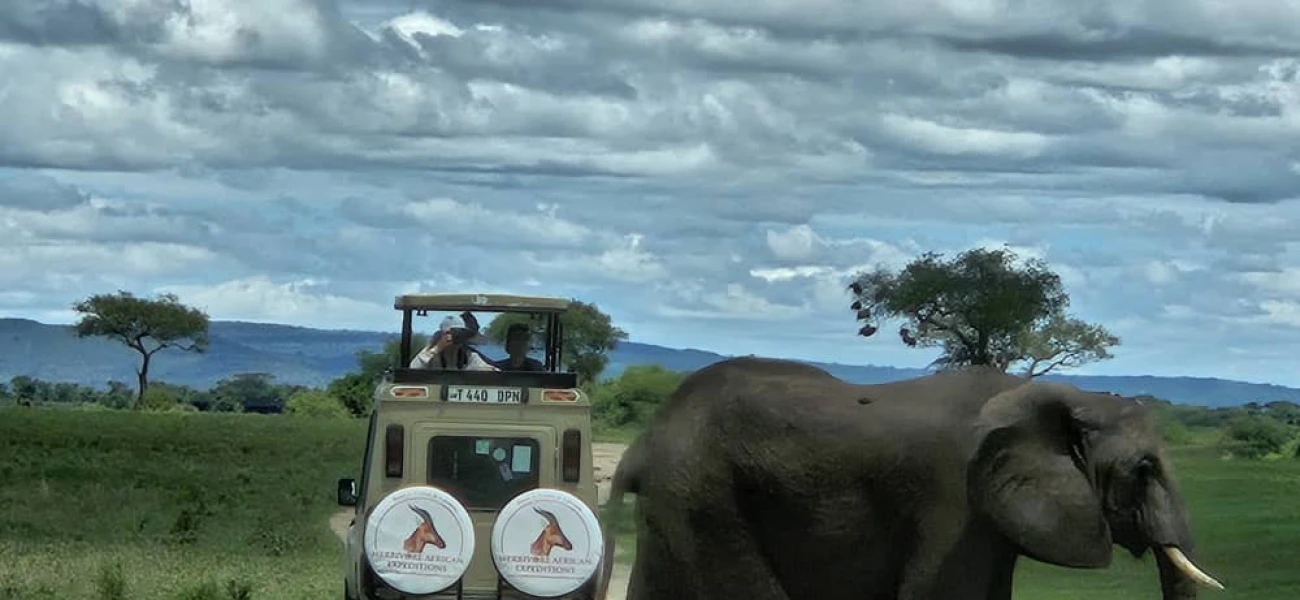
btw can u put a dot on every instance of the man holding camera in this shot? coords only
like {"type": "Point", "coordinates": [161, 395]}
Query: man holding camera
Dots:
{"type": "Point", "coordinates": [449, 348]}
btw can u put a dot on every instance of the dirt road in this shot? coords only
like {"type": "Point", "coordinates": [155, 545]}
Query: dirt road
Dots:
{"type": "Point", "coordinates": [605, 459]}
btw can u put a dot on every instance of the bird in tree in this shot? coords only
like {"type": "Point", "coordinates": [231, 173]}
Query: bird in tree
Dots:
{"type": "Point", "coordinates": [144, 325]}
{"type": "Point", "coordinates": [981, 308]}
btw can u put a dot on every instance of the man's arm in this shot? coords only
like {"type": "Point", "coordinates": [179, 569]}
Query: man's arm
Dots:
{"type": "Point", "coordinates": [424, 358]}
{"type": "Point", "coordinates": [476, 363]}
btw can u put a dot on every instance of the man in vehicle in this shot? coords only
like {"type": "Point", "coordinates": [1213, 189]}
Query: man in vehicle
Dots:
{"type": "Point", "coordinates": [450, 349]}
{"type": "Point", "coordinates": [518, 342]}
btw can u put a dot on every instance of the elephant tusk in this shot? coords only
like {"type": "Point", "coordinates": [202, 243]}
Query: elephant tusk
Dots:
{"type": "Point", "coordinates": [1185, 565]}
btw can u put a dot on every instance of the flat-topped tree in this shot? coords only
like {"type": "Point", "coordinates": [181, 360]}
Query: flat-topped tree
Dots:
{"type": "Point", "coordinates": [144, 325]}
{"type": "Point", "coordinates": [981, 308]}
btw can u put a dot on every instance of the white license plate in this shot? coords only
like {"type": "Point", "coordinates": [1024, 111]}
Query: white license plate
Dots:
{"type": "Point", "coordinates": [484, 395]}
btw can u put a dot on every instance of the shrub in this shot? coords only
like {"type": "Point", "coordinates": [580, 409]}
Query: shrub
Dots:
{"type": "Point", "coordinates": [1255, 436]}
{"type": "Point", "coordinates": [315, 403]}
{"type": "Point", "coordinates": [1175, 432]}
{"type": "Point", "coordinates": [632, 399]}
{"type": "Point", "coordinates": [158, 399]}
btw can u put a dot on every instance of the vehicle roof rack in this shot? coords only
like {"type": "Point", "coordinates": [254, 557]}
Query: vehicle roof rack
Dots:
{"type": "Point", "coordinates": [481, 302]}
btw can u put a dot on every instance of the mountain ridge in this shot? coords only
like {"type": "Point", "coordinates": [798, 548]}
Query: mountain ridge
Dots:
{"type": "Point", "coordinates": [311, 356]}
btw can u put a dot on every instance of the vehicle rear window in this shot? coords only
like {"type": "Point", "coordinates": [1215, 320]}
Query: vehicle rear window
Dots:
{"type": "Point", "coordinates": [483, 472]}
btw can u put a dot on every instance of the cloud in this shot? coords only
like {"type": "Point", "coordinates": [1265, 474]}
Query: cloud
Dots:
{"type": "Point", "coordinates": [37, 192]}
{"type": "Point", "coordinates": [303, 302]}
{"type": "Point", "coordinates": [709, 172]}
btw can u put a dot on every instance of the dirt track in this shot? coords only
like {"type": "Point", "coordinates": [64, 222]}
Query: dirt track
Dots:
{"type": "Point", "coordinates": [605, 459]}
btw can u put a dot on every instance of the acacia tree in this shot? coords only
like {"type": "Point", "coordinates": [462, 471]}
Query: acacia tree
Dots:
{"type": "Point", "coordinates": [144, 325]}
{"type": "Point", "coordinates": [1066, 342]}
{"type": "Point", "coordinates": [981, 308]}
{"type": "Point", "coordinates": [589, 335]}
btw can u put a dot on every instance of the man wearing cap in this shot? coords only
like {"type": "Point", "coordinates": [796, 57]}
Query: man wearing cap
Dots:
{"type": "Point", "coordinates": [448, 349]}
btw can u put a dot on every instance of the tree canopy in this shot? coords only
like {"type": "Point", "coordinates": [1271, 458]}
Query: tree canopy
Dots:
{"type": "Point", "coordinates": [589, 335]}
{"type": "Point", "coordinates": [356, 389]}
{"type": "Point", "coordinates": [144, 325]}
{"type": "Point", "coordinates": [1064, 342]}
{"type": "Point", "coordinates": [981, 308]}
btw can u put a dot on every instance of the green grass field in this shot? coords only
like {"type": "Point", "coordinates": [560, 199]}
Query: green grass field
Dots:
{"type": "Point", "coordinates": [101, 504]}
{"type": "Point", "coordinates": [181, 504]}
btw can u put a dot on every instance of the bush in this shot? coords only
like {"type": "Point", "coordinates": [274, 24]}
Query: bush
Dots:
{"type": "Point", "coordinates": [1255, 436]}
{"type": "Point", "coordinates": [356, 391]}
{"type": "Point", "coordinates": [158, 399]}
{"type": "Point", "coordinates": [1175, 432]}
{"type": "Point", "coordinates": [315, 403]}
{"type": "Point", "coordinates": [631, 400]}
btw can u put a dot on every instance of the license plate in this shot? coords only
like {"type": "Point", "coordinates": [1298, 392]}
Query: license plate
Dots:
{"type": "Point", "coordinates": [484, 395]}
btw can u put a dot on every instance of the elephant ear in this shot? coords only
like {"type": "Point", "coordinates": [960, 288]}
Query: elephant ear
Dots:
{"type": "Point", "coordinates": [1029, 476]}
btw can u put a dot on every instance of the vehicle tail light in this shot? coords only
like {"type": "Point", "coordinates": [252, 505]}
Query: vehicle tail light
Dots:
{"type": "Point", "coordinates": [572, 454]}
{"type": "Point", "coordinates": [559, 396]}
{"type": "Point", "coordinates": [394, 457]}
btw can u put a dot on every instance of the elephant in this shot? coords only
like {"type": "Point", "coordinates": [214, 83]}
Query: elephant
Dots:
{"type": "Point", "coordinates": [769, 479]}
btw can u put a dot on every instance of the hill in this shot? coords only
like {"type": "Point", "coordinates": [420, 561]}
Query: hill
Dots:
{"type": "Point", "coordinates": [307, 356]}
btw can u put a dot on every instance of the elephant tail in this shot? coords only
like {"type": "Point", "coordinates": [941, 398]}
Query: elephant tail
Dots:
{"type": "Point", "coordinates": [626, 478]}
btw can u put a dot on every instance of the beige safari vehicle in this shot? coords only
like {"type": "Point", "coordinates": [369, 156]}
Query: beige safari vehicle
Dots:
{"type": "Point", "coordinates": [475, 484]}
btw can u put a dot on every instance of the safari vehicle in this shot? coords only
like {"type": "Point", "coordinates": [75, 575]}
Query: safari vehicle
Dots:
{"type": "Point", "coordinates": [475, 484]}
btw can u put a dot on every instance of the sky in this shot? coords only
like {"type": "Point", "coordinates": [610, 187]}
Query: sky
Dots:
{"type": "Point", "coordinates": [709, 172]}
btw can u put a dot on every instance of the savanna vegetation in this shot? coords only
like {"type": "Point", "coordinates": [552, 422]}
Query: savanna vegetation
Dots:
{"type": "Point", "coordinates": [170, 492]}
{"type": "Point", "coordinates": [120, 504]}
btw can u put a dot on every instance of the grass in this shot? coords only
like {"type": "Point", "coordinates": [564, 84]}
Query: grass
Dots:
{"type": "Point", "coordinates": [623, 528]}
{"type": "Point", "coordinates": [1247, 525]}
{"type": "Point", "coordinates": [119, 505]}
{"type": "Point", "coordinates": [127, 506]}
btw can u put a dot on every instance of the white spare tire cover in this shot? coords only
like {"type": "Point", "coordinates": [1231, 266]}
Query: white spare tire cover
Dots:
{"type": "Point", "coordinates": [419, 540]}
{"type": "Point", "coordinates": [547, 543]}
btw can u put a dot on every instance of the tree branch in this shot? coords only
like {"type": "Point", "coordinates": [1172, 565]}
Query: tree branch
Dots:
{"type": "Point", "coordinates": [1051, 366]}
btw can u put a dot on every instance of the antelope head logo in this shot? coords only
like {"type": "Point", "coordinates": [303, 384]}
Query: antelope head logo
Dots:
{"type": "Point", "coordinates": [550, 537]}
{"type": "Point", "coordinates": [425, 533]}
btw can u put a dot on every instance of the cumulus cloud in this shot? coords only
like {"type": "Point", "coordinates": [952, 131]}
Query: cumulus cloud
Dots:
{"type": "Point", "coordinates": [709, 172]}
{"type": "Point", "coordinates": [304, 302]}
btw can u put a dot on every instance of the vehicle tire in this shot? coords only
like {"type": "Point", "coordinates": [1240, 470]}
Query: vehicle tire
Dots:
{"type": "Point", "coordinates": [389, 527]}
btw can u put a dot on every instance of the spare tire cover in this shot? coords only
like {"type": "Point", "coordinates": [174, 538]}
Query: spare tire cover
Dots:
{"type": "Point", "coordinates": [419, 540]}
{"type": "Point", "coordinates": [547, 543]}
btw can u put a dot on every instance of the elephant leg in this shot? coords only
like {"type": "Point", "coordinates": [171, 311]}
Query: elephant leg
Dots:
{"type": "Point", "coordinates": [717, 557]}
{"type": "Point", "coordinates": [937, 532]}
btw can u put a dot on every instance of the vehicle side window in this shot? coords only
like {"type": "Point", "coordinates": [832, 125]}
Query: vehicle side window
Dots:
{"type": "Point", "coordinates": [483, 472]}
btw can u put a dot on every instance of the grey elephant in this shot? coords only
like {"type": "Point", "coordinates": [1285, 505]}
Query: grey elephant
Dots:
{"type": "Point", "coordinates": [773, 480]}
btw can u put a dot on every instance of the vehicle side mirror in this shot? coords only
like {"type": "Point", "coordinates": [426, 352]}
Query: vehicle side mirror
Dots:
{"type": "Point", "coordinates": [347, 492]}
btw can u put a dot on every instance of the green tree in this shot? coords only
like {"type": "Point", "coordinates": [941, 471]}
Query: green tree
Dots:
{"type": "Point", "coordinates": [23, 387]}
{"type": "Point", "coordinates": [1066, 342]}
{"type": "Point", "coordinates": [356, 392]}
{"type": "Point", "coordinates": [117, 396]}
{"type": "Point", "coordinates": [1286, 412]}
{"type": "Point", "coordinates": [242, 391]}
{"type": "Point", "coordinates": [981, 308]}
{"type": "Point", "coordinates": [144, 325]}
{"type": "Point", "coordinates": [589, 335]}
{"type": "Point", "coordinates": [315, 403]}
{"type": "Point", "coordinates": [356, 389]}
{"type": "Point", "coordinates": [633, 397]}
